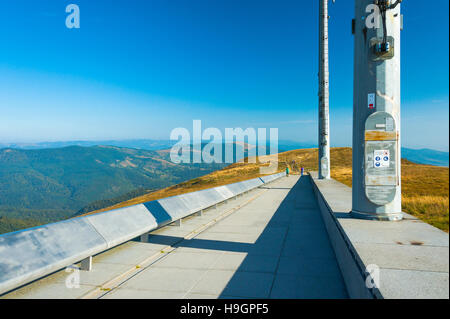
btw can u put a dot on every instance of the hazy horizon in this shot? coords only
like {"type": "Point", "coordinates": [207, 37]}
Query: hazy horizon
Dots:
{"type": "Point", "coordinates": [137, 70]}
{"type": "Point", "coordinates": [309, 143]}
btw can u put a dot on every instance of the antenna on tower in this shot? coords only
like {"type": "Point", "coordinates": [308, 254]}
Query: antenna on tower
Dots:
{"type": "Point", "coordinates": [324, 112]}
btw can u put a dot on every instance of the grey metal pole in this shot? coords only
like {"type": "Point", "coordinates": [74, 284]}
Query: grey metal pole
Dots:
{"type": "Point", "coordinates": [324, 123]}
{"type": "Point", "coordinates": [376, 111]}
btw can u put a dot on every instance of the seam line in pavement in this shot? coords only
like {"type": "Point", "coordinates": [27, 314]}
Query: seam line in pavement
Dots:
{"type": "Point", "coordinates": [206, 272]}
{"type": "Point", "coordinates": [281, 250]}
{"type": "Point", "coordinates": [100, 292]}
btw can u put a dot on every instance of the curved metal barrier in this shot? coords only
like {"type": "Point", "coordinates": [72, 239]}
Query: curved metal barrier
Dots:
{"type": "Point", "coordinates": [30, 254]}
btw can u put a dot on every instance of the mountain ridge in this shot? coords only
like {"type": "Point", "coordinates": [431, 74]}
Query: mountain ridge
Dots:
{"type": "Point", "coordinates": [420, 156]}
{"type": "Point", "coordinates": [424, 187]}
{"type": "Point", "coordinates": [52, 184]}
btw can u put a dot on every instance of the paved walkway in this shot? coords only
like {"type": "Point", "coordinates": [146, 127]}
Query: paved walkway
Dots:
{"type": "Point", "coordinates": [270, 243]}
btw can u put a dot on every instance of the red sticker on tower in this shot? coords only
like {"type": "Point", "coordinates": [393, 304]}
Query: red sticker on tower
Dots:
{"type": "Point", "coordinates": [371, 101]}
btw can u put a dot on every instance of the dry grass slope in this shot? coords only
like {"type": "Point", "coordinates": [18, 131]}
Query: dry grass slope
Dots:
{"type": "Point", "coordinates": [425, 188]}
{"type": "Point", "coordinates": [231, 174]}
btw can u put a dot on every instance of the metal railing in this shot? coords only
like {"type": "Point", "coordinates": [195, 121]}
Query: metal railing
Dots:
{"type": "Point", "coordinates": [30, 254]}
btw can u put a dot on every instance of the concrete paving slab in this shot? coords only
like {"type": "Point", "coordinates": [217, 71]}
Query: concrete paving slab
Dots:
{"type": "Point", "coordinates": [234, 297]}
{"type": "Point", "coordinates": [236, 229]}
{"type": "Point", "coordinates": [245, 222]}
{"type": "Point", "coordinates": [175, 232]}
{"type": "Point", "coordinates": [124, 293]}
{"type": "Point", "coordinates": [429, 258]}
{"type": "Point", "coordinates": [211, 248]}
{"type": "Point", "coordinates": [49, 291]}
{"type": "Point", "coordinates": [213, 282]}
{"type": "Point", "coordinates": [412, 255]}
{"type": "Point", "coordinates": [188, 260]}
{"type": "Point", "coordinates": [308, 287]}
{"type": "Point", "coordinates": [406, 232]}
{"type": "Point", "coordinates": [269, 249]}
{"type": "Point", "coordinates": [322, 249]}
{"type": "Point", "coordinates": [42, 288]}
{"type": "Point", "coordinates": [130, 253]}
{"type": "Point", "coordinates": [247, 262]}
{"type": "Point", "coordinates": [297, 264]}
{"type": "Point", "coordinates": [239, 238]}
{"type": "Point", "coordinates": [231, 283]}
{"type": "Point", "coordinates": [249, 285]}
{"type": "Point", "coordinates": [307, 235]}
{"type": "Point", "coordinates": [192, 295]}
{"type": "Point", "coordinates": [164, 238]}
{"type": "Point", "coordinates": [426, 285]}
{"type": "Point", "coordinates": [100, 274]}
{"type": "Point", "coordinates": [251, 253]}
{"type": "Point", "coordinates": [164, 279]}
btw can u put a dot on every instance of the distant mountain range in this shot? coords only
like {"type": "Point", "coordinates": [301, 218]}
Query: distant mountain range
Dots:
{"type": "Point", "coordinates": [421, 156]}
{"type": "Point", "coordinates": [426, 156]}
{"type": "Point", "coordinates": [52, 184]}
{"type": "Point", "coordinates": [41, 185]}
{"type": "Point", "coordinates": [144, 144]}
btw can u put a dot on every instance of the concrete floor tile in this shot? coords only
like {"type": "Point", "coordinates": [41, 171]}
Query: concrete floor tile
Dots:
{"type": "Point", "coordinates": [188, 260]}
{"type": "Point", "coordinates": [124, 293]}
{"type": "Point", "coordinates": [164, 279]}
{"type": "Point", "coordinates": [308, 287]}
{"type": "Point", "coordinates": [231, 283]}
{"type": "Point", "coordinates": [275, 246]}
{"type": "Point", "coordinates": [100, 273]}
{"type": "Point", "coordinates": [299, 265]}
{"type": "Point", "coordinates": [213, 282]}
{"type": "Point", "coordinates": [249, 284]}
{"type": "Point", "coordinates": [425, 258]}
{"type": "Point", "coordinates": [200, 296]}
{"type": "Point", "coordinates": [49, 291]}
{"type": "Point", "coordinates": [125, 256]}
{"type": "Point", "coordinates": [411, 284]}
{"type": "Point", "coordinates": [247, 262]}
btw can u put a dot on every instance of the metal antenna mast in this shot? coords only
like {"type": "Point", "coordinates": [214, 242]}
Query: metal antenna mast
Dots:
{"type": "Point", "coordinates": [324, 108]}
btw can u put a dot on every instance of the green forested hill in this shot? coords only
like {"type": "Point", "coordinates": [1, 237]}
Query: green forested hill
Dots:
{"type": "Point", "coordinates": [45, 185]}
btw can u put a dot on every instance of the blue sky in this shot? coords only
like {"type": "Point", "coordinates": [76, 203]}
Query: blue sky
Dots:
{"type": "Point", "coordinates": [138, 69]}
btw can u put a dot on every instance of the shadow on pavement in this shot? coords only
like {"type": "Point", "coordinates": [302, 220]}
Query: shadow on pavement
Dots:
{"type": "Point", "coordinates": [292, 257]}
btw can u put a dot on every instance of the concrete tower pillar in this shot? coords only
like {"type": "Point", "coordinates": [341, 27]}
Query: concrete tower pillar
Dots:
{"type": "Point", "coordinates": [376, 111]}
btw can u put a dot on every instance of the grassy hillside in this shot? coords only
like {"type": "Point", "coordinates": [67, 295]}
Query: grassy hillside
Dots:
{"type": "Point", "coordinates": [425, 187]}
{"type": "Point", "coordinates": [8, 224]}
{"type": "Point", "coordinates": [231, 174]}
{"type": "Point", "coordinates": [46, 185]}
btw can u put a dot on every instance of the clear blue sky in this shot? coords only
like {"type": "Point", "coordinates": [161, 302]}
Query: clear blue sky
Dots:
{"type": "Point", "coordinates": [138, 69]}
